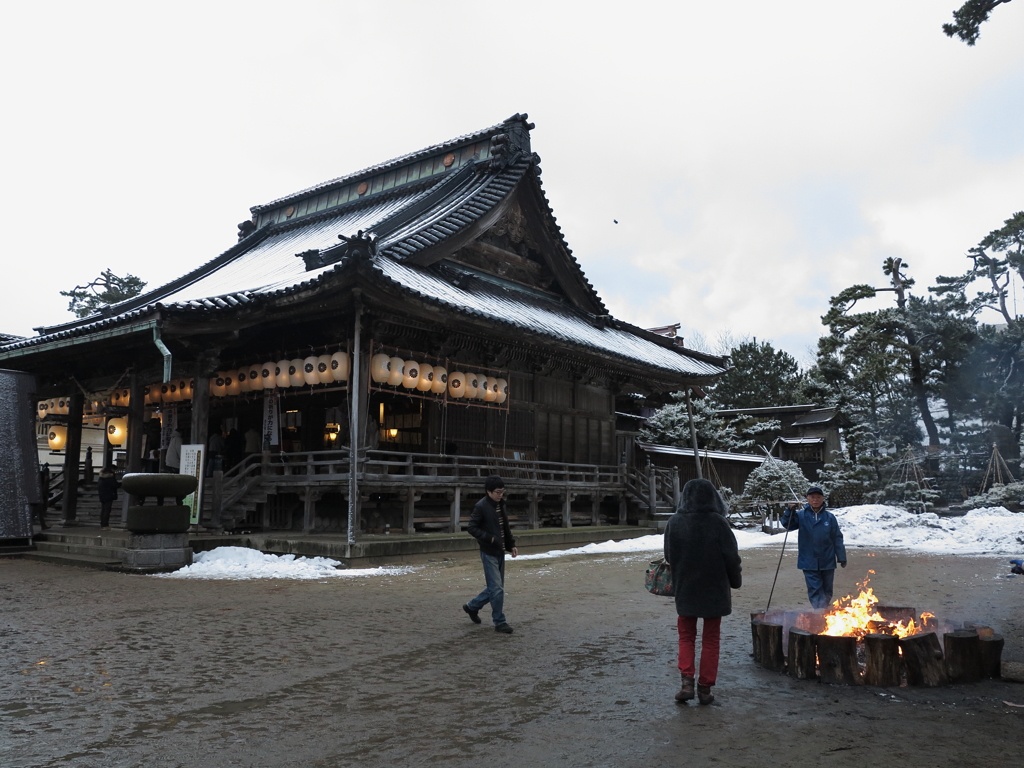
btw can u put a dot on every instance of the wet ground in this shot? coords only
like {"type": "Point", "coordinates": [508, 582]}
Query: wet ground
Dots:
{"type": "Point", "coordinates": [106, 669]}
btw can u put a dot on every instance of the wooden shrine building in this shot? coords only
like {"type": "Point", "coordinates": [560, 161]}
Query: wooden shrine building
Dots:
{"type": "Point", "coordinates": [427, 310]}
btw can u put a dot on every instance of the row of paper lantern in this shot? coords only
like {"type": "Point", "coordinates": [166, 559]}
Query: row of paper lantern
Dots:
{"type": "Point", "coordinates": [117, 433]}
{"type": "Point", "coordinates": [396, 372]}
{"type": "Point", "coordinates": [300, 372]}
{"type": "Point", "coordinates": [55, 405]}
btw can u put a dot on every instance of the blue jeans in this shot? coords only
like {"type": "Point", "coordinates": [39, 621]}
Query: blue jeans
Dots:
{"type": "Point", "coordinates": [819, 587]}
{"type": "Point", "coordinates": [494, 593]}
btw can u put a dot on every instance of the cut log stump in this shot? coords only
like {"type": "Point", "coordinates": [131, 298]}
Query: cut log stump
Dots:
{"type": "Point", "coordinates": [895, 613]}
{"type": "Point", "coordinates": [802, 654]}
{"type": "Point", "coordinates": [991, 655]}
{"type": "Point", "coordinates": [883, 660]}
{"type": "Point", "coordinates": [922, 656]}
{"type": "Point", "coordinates": [963, 656]}
{"type": "Point", "coordinates": [755, 643]}
{"type": "Point", "coordinates": [769, 638]}
{"type": "Point", "coordinates": [837, 660]}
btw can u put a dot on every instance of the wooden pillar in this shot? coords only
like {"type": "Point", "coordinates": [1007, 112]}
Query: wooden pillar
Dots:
{"type": "Point", "coordinates": [922, 656]}
{"type": "Point", "coordinates": [72, 456]}
{"type": "Point", "coordinates": [882, 666]}
{"type": "Point", "coordinates": [567, 510]}
{"type": "Point", "coordinates": [595, 510]}
{"type": "Point", "coordinates": [136, 436]}
{"type": "Point", "coordinates": [201, 407]}
{"type": "Point", "coordinates": [623, 509]}
{"type": "Point", "coordinates": [410, 511]}
{"type": "Point", "coordinates": [534, 498]}
{"type": "Point", "coordinates": [455, 509]}
{"type": "Point", "coordinates": [837, 658]}
{"type": "Point", "coordinates": [802, 654]}
{"type": "Point", "coordinates": [309, 500]}
{"type": "Point", "coordinates": [652, 489]}
{"type": "Point", "coordinates": [676, 493]}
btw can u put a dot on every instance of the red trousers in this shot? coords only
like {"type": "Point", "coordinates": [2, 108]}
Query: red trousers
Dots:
{"type": "Point", "coordinates": [711, 641]}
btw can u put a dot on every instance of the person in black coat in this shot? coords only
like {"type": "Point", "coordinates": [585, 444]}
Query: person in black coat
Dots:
{"type": "Point", "coordinates": [106, 489]}
{"type": "Point", "coordinates": [701, 550]}
{"type": "Point", "coordinates": [489, 526]}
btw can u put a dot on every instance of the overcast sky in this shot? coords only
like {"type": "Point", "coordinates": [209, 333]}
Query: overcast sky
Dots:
{"type": "Point", "coordinates": [759, 157]}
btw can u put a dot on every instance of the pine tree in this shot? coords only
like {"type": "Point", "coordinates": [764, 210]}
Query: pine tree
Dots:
{"type": "Point", "coordinates": [107, 289]}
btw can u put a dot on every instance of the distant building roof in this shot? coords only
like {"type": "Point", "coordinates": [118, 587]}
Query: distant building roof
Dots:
{"type": "Point", "coordinates": [672, 450]}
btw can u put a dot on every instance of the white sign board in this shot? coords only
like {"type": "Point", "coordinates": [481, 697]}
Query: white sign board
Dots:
{"type": "Point", "coordinates": [193, 457]}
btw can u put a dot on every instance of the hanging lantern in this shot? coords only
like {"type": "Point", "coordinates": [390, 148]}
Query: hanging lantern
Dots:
{"type": "Point", "coordinates": [323, 369]}
{"type": "Point", "coordinates": [411, 374]}
{"type": "Point", "coordinates": [295, 377]}
{"type": "Point", "coordinates": [219, 384]}
{"type": "Point", "coordinates": [501, 391]}
{"type": "Point", "coordinates": [255, 379]}
{"type": "Point", "coordinates": [380, 368]}
{"type": "Point", "coordinates": [234, 387]}
{"type": "Point", "coordinates": [440, 380]}
{"type": "Point", "coordinates": [62, 405]}
{"type": "Point", "coordinates": [340, 367]}
{"type": "Point", "coordinates": [117, 431]}
{"type": "Point", "coordinates": [188, 389]}
{"type": "Point", "coordinates": [397, 371]}
{"type": "Point", "coordinates": [41, 409]}
{"type": "Point", "coordinates": [490, 389]}
{"type": "Point", "coordinates": [57, 437]}
{"type": "Point", "coordinates": [472, 385]}
{"type": "Point", "coordinates": [243, 378]}
{"type": "Point", "coordinates": [457, 384]}
{"type": "Point", "coordinates": [51, 405]}
{"type": "Point", "coordinates": [147, 394]}
{"type": "Point", "coordinates": [426, 378]}
{"type": "Point", "coordinates": [268, 375]}
{"type": "Point", "coordinates": [281, 373]}
{"type": "Point", "coordinates": [309, 373]}
{"type": "Point", "coordinates": [125, 397]}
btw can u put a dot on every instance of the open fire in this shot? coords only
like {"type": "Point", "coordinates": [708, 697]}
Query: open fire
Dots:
{"type": "Point", "coordinates": [859, 616]}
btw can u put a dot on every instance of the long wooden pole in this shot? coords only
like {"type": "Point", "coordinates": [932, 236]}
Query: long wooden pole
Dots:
{"type": "Point", "coordinates": [693, 433]}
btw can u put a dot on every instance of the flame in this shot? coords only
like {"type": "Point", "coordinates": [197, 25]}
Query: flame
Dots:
{"type": "Point", "coordinates": [858, 616]}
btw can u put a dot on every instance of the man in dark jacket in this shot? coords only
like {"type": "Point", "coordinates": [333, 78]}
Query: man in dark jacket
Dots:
{"type": "Point", "coordinates": [701, 550]}
{"type": "Point", "coordinates": [819, 545]}
{"type": "Point", "coordinates": [489, 525]}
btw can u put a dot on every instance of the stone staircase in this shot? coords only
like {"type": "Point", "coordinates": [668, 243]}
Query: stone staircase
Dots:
{"type": "Point", "coordinates": [84, 547]}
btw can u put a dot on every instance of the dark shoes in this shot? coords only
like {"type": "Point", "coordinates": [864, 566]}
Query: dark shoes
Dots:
{"type": "Point", "coordinates": [686, 692]}
{"type": "Point", "coordinates": [474, 616]}
{"type": "Point", "coordinates": [704, 694]}
{"type": "Point", "coordinates": [505, 629]}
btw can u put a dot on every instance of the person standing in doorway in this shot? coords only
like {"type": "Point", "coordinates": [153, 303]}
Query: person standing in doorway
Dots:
{"type": "Point", "coordinates": [819, 545]}
{"type": "Point", "coordinates": [106, 489]}
{"type": "Point", "coordinates": [489, 526]}
{"type": "Point", "coordinates": [701, 550]}
{"type": "Point", "coordinates": [172, 458]}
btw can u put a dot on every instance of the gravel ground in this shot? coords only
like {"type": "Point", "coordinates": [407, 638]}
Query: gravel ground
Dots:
{"type": "Point", "coordinates": [105, 669]}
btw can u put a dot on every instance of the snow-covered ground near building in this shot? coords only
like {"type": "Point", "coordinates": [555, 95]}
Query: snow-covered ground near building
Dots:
{"type": "Point", "coordinates": [235, 563]}
{"type": "Point", "coordinates": [993, 530]}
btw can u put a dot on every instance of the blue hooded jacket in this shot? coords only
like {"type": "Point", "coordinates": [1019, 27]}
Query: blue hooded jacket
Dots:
{"type": "Point", "coordinates": [820, 543]}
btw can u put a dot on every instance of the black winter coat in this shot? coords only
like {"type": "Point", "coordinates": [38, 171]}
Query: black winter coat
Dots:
{"type": "Point", "coordinates": [486, 525]}
{"type": "Point", "coordinates": [701, 549]}
{"type": "Point", "coordinates": [106, 488]}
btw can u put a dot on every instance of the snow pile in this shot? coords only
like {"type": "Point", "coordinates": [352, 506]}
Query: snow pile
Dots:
{"type": "Point", "coordinates": [243, 563]}
{"type": "Point", "coordinates": [653, 543]}
{"type": "Point", "coordinates": [992, 529]}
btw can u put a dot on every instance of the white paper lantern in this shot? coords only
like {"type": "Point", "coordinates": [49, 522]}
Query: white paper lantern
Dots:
{"type": "Point", "coordinates": [283, 379]}
{"type": "Point", "coordinates": [268, 375]}
{"type": "Point", "coordinates": [490, 389]}
{"type": "Point", "coordinates": [457, 384]}
{"type": "Point", "coordinates": [125, 397]}
{"type": "Point", "coordinates": [57, 437]}
{"type": "Point", "coordinates": [255, 380]}
{"type": "Point", "coordinates": [502, 391]}
{"type": "Point", "coordinates": [117, 431]}
{"type": "Point", "coordinates": [219, 384]}
{"type": "Point", "coordinates": [411, 374]}
{"type": "Point", "coordinates": [323, 369]}
{"type": "Point", "coordinates": [380, 368]}
{"type": "Point", "coordinates": [472, 385]}
{"type": "Point", "coordinates": [426, 380]}
{"type": "Point", "coordinates": [440, 380]}
{"type": "Point", "coordinates": [309, 373]}
{"type": "Point", "coordinates": [189, 390]}
{"type": "Point", "coordinates": [231, 381]}
{"type": "Point", "coordinates": [295, 377]}
{"type": "Point", "coordinates": [165, 393]}
{"type": "Point", "coordinates": [62, 405]}
{"type": "Point", "coordinates": [397, 371]}
{"type": "Point", "coordinates": [41, 409]}
{"type": "Point", "coordinates": [51, 405]}
{"type": "Point", "coordinates": [340, 367]}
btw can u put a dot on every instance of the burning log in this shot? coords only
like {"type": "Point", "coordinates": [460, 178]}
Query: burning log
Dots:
{"type": "Point", "coordinates": [895, 614]}
{"type": "Point", "coordinates": [811, 622]}
{"type": "Point", "coordinates": [922, 656]}
{"type": "Point", "coordinates": [991, 655]}
{"type": "Point", "coordinates": [883, 660]}
{"type": "Point", "coordinates": [963, 656]}
{"type": "Point", "coordinates": [769, 638]}
{"type": "Point", "coordinates": [802, 654]}
{"type": "Point", "coordinates": [837, 659]}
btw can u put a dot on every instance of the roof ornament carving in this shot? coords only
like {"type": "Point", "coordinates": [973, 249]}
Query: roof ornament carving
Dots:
{"type": "Point", "coordinates": [513, 142]}
{"type": "Point", "coordinates": [360, 247]}
{"type": "Point", "coordinates": [245, 229]}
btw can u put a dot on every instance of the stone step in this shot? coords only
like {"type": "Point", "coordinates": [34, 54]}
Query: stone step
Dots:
{"type": "Point", "coordinates": [89, 537]}
{"type": "Point", "coordinates": [77, 561]}
{"type": "Point", "coordinates": [57, 547]}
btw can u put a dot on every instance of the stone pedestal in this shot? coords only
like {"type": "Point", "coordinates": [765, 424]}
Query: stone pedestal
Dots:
{"type": "Point", "coordinates": [156, 552]}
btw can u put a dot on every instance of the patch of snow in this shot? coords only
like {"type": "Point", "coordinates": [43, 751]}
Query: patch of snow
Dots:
{"type": "Point", "coordinates": [652, 543]}
{"type": "Point", "coordinates": [238, 563]}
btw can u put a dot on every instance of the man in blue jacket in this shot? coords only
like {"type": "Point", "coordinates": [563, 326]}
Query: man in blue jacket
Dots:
{"type": "Point", "coordinates": [819, 545]}
{"type": "Point", "coordinates": [489, 526]}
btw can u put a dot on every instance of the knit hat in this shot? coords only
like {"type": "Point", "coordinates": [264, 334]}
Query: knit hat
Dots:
{"type": "Point", "coordinates": [814, 489]}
